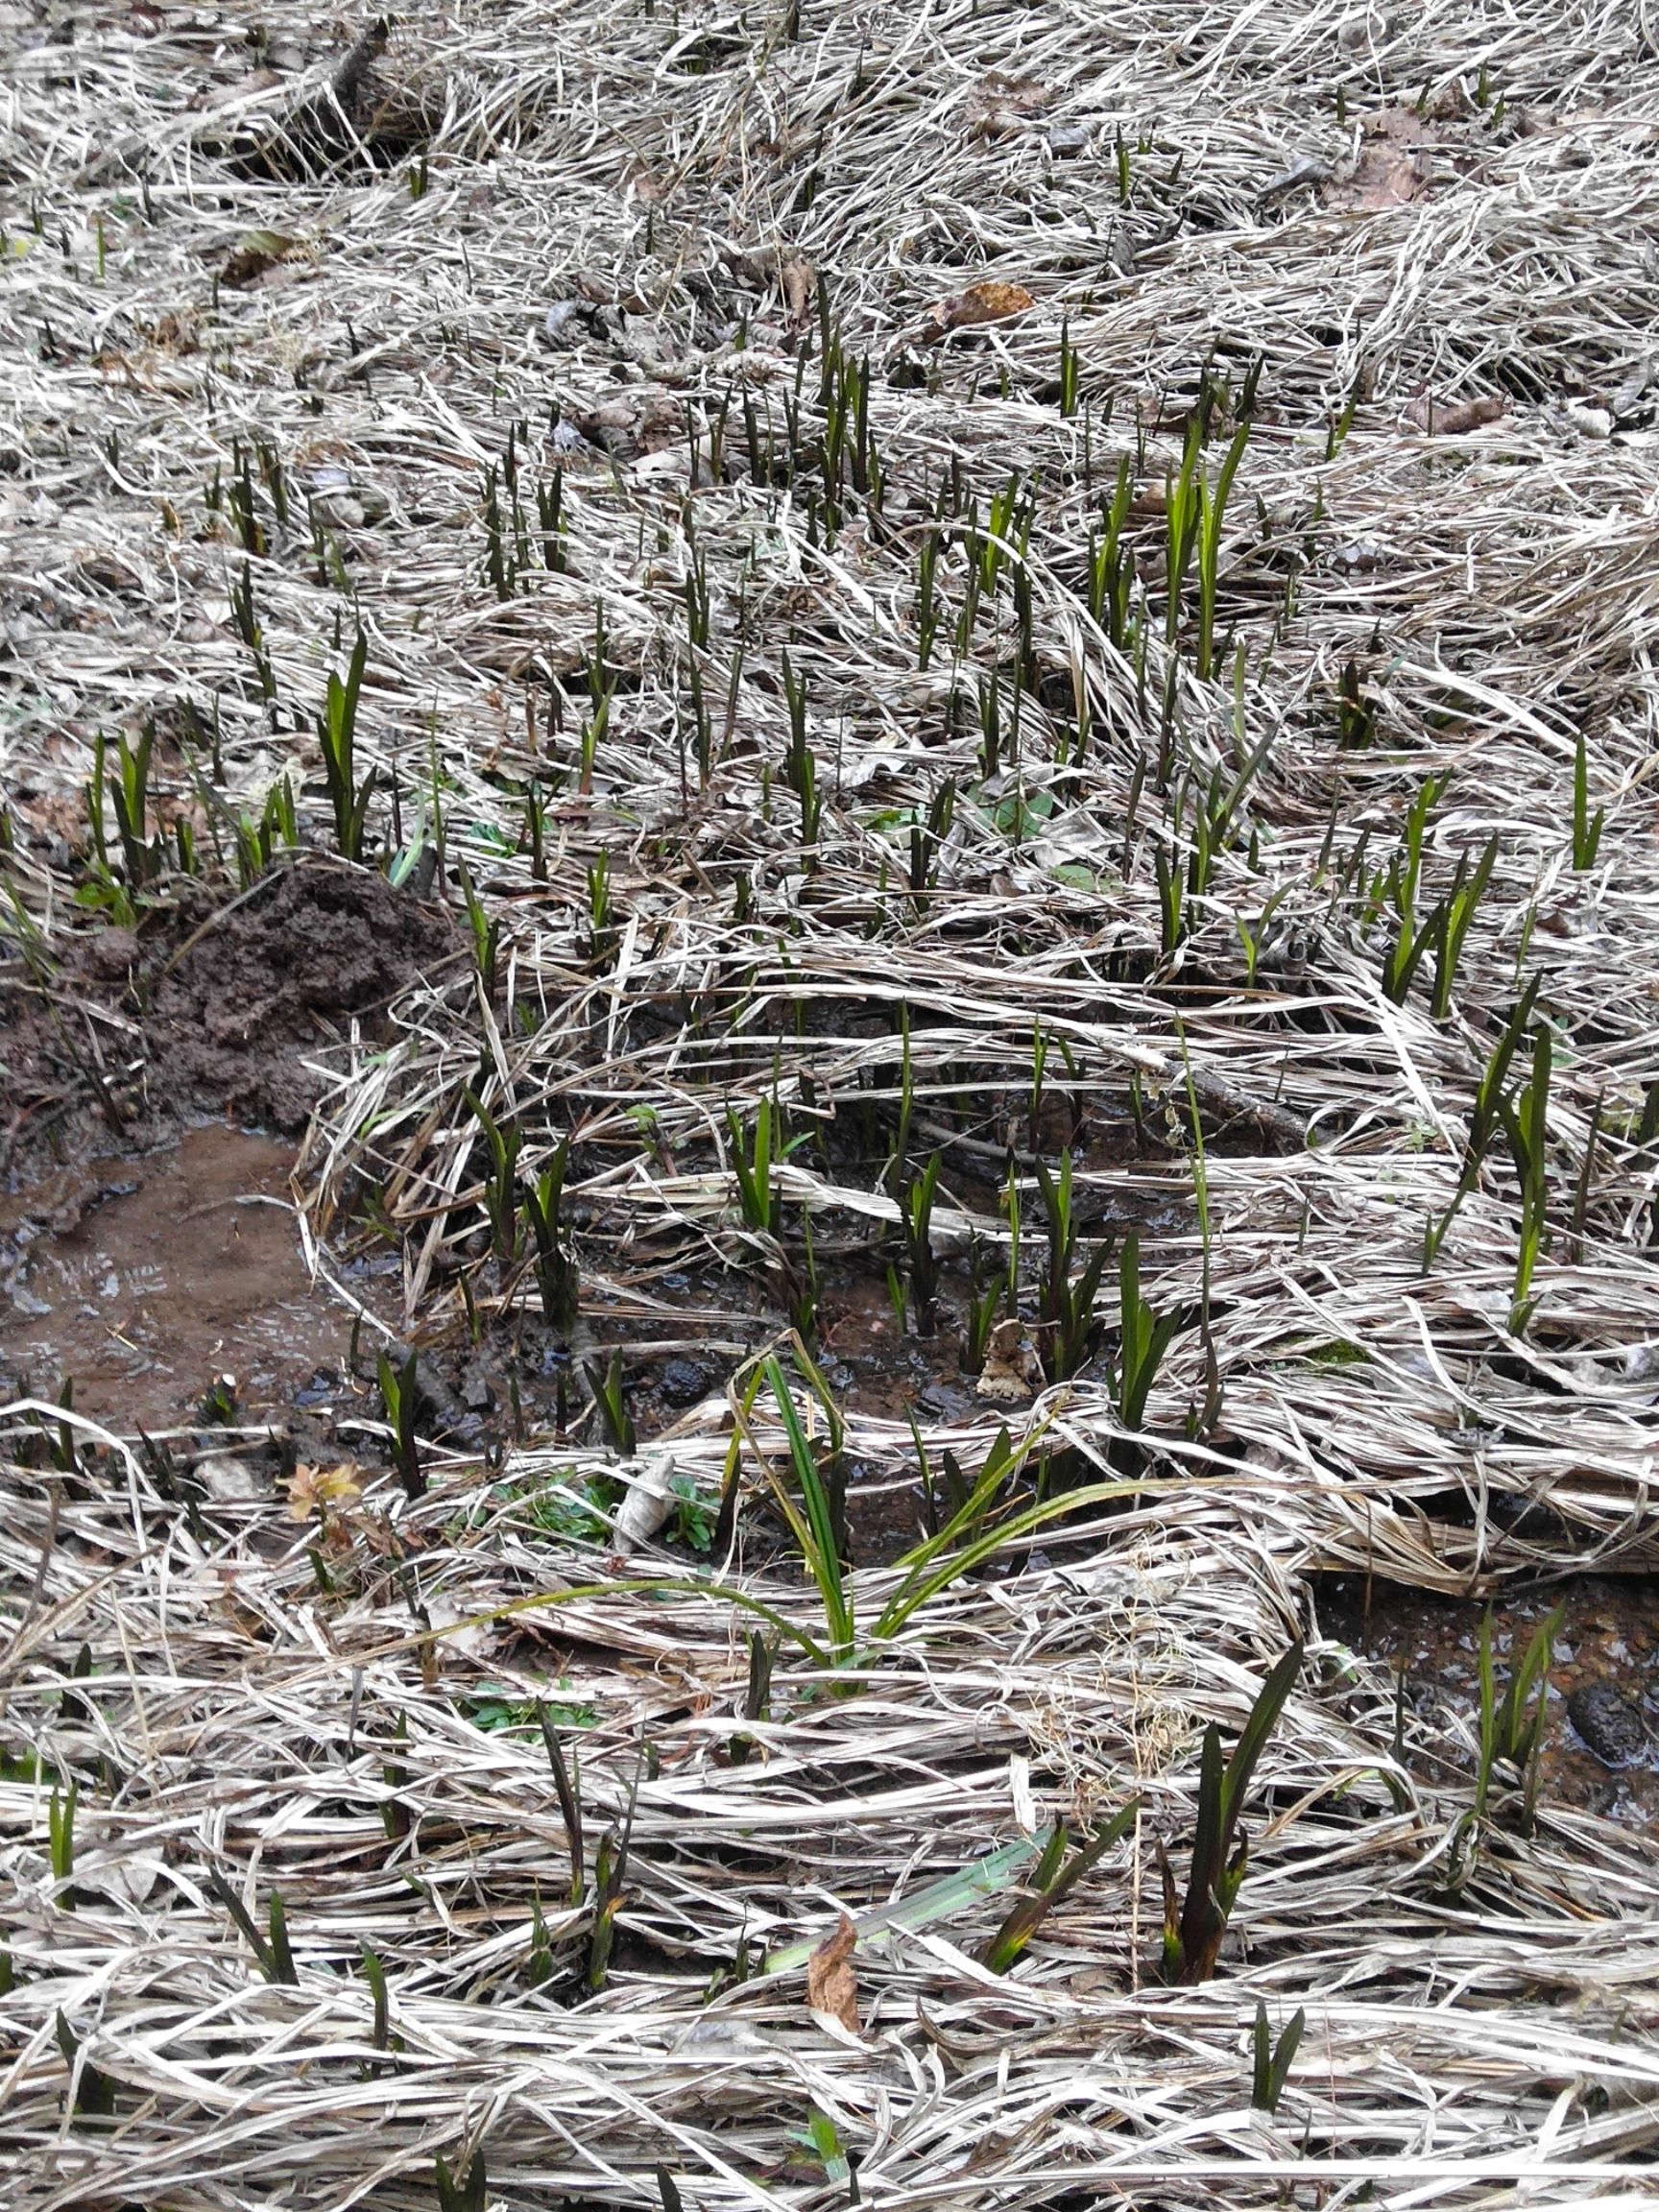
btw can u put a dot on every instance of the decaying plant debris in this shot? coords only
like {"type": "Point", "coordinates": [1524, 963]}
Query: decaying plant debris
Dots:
{"type": "Point", "coordinates": [1018, 643]}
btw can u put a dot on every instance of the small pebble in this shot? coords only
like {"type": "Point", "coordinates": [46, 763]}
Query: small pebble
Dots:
{"type": "Point", "coordinates": [683, 1383]}
{"type": "Point", "coordinates": [1609, 1724]}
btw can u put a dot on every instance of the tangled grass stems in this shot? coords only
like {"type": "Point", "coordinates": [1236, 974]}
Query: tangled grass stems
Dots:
{"type": "Point", "coordinates": [587, 365]}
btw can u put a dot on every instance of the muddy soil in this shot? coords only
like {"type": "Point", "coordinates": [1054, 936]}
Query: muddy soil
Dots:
{"type": "Point", "coordinates": [209, 1008]}
{"type": "Point", "coordinates": [232, 1014]}
{"type": "Point", "coordinates": [1602, 1744]}
{"type": "Point", "coordinates": [147, 1236]}
{"type": "Point", "coordinates": [148, 1279]}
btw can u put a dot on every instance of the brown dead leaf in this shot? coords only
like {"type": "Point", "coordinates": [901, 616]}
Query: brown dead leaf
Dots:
{"type": "Point", "coordinates": [1012, 1372]}
{"type": "Point", "coordinates": [798, 281]}
{"type": "Point", "coordinates": [831, 1983]}
{"type": "Point", "coordinates": [254, 252]}
{"type": "Point", "coordinates": [1394, 167]}
{"type": "Point", "coordinates": [1006, 105]}
{"type": "Point", "coordinates": [1454, 418]}
{"type": "Point", "coordinates": [986, 302]}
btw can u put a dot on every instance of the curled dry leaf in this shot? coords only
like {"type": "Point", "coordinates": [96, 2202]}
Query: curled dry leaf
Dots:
{"type": "Point", "coordinates": [649, 1501]}
{"type": "Point", "coordinates": [1451, 419]}
{"type": "Point", "coordinates": [1393, 166]}
{"type": "Point", "coordinates": [1011, 1372]}
{"type": "Point", "coordinates": [254, 252]}
{"type": "Point", "coordinates": [987, 303]}
{"type": "Point", "coordinates": [798, 281]}
{"type": "Point", "coordinates": [315, 1489]}
{"type": "Point", "coordinates": [831, 1985]}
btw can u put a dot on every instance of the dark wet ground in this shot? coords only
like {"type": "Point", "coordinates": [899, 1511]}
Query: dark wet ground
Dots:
{"type": "Point", "coordinates": [1601, 1745]}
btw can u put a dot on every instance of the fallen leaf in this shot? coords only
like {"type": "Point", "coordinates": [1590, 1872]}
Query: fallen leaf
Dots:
{"type": "Point", "coordinates": [800, 283]}
{"type": "Point", "coordinates": [1451, 419]}
{"type": "Point", "coordinates": [987, 303]}
{"type": "Point", "coordinates": [1005, 105]}
{"type": "Point", "coordinates": [255, 252]}
{"type": "Point", "coordinates": [314, 1490]}
{"type": "Point", "coordinates": [649, 1501]}
{"type": "Point", "coordinates": [1393, 167]}
{"type": "Point", "coordinates": [831, 1985]}
{"type": "Point", "coordinates": [1010, 1371]}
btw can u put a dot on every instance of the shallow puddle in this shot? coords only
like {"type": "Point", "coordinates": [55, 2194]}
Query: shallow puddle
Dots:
{"type": "Point", "coordinates": [146, 1279]}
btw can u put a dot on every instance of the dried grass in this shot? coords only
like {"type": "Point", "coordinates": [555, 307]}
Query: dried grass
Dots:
{"type": "Point", "coordinates": [646, 177]}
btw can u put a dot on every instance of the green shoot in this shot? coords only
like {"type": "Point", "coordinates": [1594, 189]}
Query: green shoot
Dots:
{"type": "Point", "coordinates": [1112, 565]}
{"type": "Point", "coordinates": [926, 838]}
{"type": "Point", "coordinates": [1486, 1119]}
{"type": "Point", "coordinates": [1052, 1880]}
{"type": "Point", "coordinates": [1271, 2060]}
{"type": "Point", "coordinates": [257, 842]}
{"type": "Point", "coordinates": [1356, 711]}
{"type": "Point", "coordinates": [601, 912]}
{"type": "Point", "coordinates": [1526, 1126]}
{"type": "Point", "coordinates": [557, 1276]}
{"type": "Point", "coordinates": [611, 1403]}
{"type": "Point", "coordinates": [1193, 1927]}
{"type": "Point", "coordinates": [800, 762]}
{"type": "Point", "coordinates": [501, 1184]}
{"type": "Point", "coordinates": [1067, 369]}
{"type": "Point", "coordinates": [1212, 509]}
{"type": "Point", "coordinates": [1451, 925]}
{"type": "Point", "coordinates": [399, 1395]}
{"type": "Point", "coordinates": [130, 796]}
{"type": "Point", "coordinates": [752, 1163]}
{"type": "Point", "coordinates": [568, 1782]}
{"type": "Point", "coordinates": [1586, 832]}
{"type": "Point", "coordinates": [817, 1521]}
{"type": "Point", "coordinates": [246, 620]}
{"type": "Point", "coordinates": [93, 2093]}
{"type": "Point", "coordinates": [375, 1974]}
{"type": "Point", "coordinates": [1069, 1302]}
{"type": "Point", "coordinates": [270, 1952]}
{"type": "Point", "coordinates": [927, 598]}
{"type": "Point", "coordinates": [458, 2190]}
{"type": "Point", "coordinates": [60, 1836]}
{"type": "Point", "coordinates": [485, 934]}
{"type": "Point", "coordinates": [610, 1873]}
{"type": "Point", "coordinates": [337, 736]}
{"type": "Point", "coordinates": [916, 1207]}
{"type": "Point", "coordinates": [1144, 1338]}
{"type": "Point", "coordinates": [757, 1695]}
{"type": "Point", "coordinates": [1512, 1727]}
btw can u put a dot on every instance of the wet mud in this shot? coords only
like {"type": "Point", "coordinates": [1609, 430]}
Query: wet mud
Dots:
{"type": "Point", "coordinates": [153, 1077]}
{"type": "Point", "coordinates": [112, 1039]}
{"type": "Point", "coordinates": [147, 1281]}
{"type": "Point", "coordinates": [1602, 1742]}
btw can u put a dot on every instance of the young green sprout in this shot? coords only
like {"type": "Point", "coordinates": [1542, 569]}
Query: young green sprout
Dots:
{"type": "Point", "coordinates": [1270, 2067]}
{"type": "Point", "coordinates": [557, 1276]}
{"type": "Point", "coordinates": [399, 1394]}
{"type": "Point", "coordinates": [1586, 831]}
{"type": "Point", "coordinates": [1512, 1726]}
{"type": "Point", "coordinates": [337, 736]}
{"type": "Point", "coordinates": [1051, 1881]}
{"type": "Point", "coordinates": [1193, 1927]}
{"type": "Point", "coordinates": [1068, 1300]}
